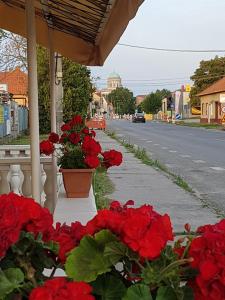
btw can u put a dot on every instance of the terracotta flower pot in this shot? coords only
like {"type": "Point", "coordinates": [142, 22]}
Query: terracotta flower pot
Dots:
{"type": "Point", "coordinates": [77, 182]}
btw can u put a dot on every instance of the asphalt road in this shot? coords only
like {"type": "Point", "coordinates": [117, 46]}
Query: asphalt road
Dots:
{"type": "Point", "coordinates": [196, 154]}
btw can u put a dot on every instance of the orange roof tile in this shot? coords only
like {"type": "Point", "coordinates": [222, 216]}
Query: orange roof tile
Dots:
{"type": "Point", "coordinates": [16, 80]}
{"type": "Point", "coordinates": [217, 87]}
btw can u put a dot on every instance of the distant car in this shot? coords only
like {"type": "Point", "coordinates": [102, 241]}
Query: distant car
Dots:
{"type": "Point", "coordinates": [138, 117]}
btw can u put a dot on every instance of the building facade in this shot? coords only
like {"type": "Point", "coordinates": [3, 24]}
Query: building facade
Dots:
{"type": "Point", "coordinates": [16, 83]}
{"type": "Point", "coordinates": [212, 99]}
{"type": "Point", "coordinates": [100, 97]}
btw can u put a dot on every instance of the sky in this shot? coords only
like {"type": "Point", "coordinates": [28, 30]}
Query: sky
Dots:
{"type": "Point", "coordinates": [176, 24]}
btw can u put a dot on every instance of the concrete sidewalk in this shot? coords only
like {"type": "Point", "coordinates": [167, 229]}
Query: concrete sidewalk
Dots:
{"type": "Point", "coordinates": [143, 184]}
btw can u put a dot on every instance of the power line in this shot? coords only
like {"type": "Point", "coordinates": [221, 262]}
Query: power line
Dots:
{"type": "Point", "coordinates": [172, 50]}
{"type": "Point", "coordinates": [161, 79]}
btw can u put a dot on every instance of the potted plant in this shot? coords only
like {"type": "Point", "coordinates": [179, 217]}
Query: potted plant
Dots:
{"type": "Point", "coordinates": [79, 154]}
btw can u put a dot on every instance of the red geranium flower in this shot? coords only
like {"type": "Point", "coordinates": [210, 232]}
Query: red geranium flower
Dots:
{"type": "Point", "coordinates": [208, 253]}
{"type": "Point", "coordinates": [63, 138]}
{"type": "Point", "coordinates": [67, 237]}
{"type": "Point", "coordinates": [85, 130]}
{"type": "Point", "coordinates": [112, 158]}
{"type": "Point", "coordinates": [77, 120]}
{"type": "Point", "coordinates": [142, 229]}
{"type": "Point", "coordinates": [90, 146]}
{"type": "Point", "coordinates": [65, 127]}
{"type": "Point", "coordinates": [61, 289]}
{"type": "Point", "coordinates": [10, 223]}
{"type": "Point", "coordinates": [53, 137]}
{"type": "Point", "coordinates": [18, 213]}
{"type": "Point", "coordinates": [46, 147]}
{"type": "Point", "coordinates": [92, 161]}
{"type": "Point", "coordinates": [93, 133]}
{"type": "Point", "coordinates": [74, 138]}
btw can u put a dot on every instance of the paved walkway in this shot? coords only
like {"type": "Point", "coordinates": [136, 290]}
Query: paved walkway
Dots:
{"type": "Point", "coordinates": [143, 184]}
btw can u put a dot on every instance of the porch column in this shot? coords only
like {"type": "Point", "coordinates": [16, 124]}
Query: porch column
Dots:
{"type": "Point", "coordinates": [33, 99]}
{"type": "Point", "coordinates": [51, 204]}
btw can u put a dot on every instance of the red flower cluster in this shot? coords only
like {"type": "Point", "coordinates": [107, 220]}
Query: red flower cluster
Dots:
{"type": "Point", "coordinates": [74, 138]}
{"type": "Point", "coordinates": [53, 137]}
{"type": "Point", "coordinates": [61, 289]}
{"type": "Point", "coordinates": [112, 158]}
{"type": "Point", "coordinates": [78, 141]}
{"type": "Point", "coordinates": [90, 146]}
{"type": "Point", "coordinates": [67, 237]}
{"type": "Point", "coordinates": [208, 252]}
{"type": "Point", "coordinates": [46, 147]}
{"type": "Point", "coordinates": [18, 213]}
{"type": "Point", "coordinates": [142, 229]}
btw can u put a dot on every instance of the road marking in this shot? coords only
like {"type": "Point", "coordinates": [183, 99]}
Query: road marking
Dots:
{"type": "Point", "coordinates": [199, 161]}
{"type": "Point", "coordinates": [172, 151]}
{"type": "Point", "coordinates": [156, 144]}
{"type": "Point", "coordinates": [185, 155]}
{"type": "Point", "coordinates": [143, 140]}
{"type": "Point", "coordinates": [164, 148]}
{"type": "Point", "coordinates": [217, 168]}
{"type": "Point", "coordinates": [149, 142]}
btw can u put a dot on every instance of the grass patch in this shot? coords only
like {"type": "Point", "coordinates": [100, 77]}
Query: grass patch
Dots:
{"type": "Point", "coordinates": [21, 140]}
{"type": "Point", "coordinates": [200, 125]}
{"type": "Point", "coordinates": [102, 186]}
{"type": "Point", "coordinates": [141, 154]}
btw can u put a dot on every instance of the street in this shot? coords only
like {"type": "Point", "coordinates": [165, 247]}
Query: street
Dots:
{"type": "Point", "coordinates": [196, 154]}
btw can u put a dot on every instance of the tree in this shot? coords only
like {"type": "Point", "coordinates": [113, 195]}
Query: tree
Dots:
{"type": "Point", "coordinates": [13, 51]}
{"type": "Point", "coordinates": [208, 72]}
{"type": "Point", "coordinates": [76, 78]}
{"type": "Point", "coordinates": [122, 100]}
{"type": "Point", "coordinates": [77, 89]}
{"type": "Point", "coordinates": [153, 102]}
{"type": "Point", "coordinates": [43, 90]}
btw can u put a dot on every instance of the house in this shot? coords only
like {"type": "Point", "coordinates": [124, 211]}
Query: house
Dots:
{"type": "Point", "coordinates": [99, 103]}
{"type": "Point", "coordinates": [15, 82]}
{"type": "Point", "coordinates": [211, 99]}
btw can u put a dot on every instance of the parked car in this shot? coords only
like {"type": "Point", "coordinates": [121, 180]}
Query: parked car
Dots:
{"type": "Point", "coordinates": [138, 117]}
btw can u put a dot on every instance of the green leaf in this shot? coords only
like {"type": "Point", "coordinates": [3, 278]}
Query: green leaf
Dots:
{"type": "Point", "coordinates": [87, 261]}
{"type": "Point", "coordinates": [138, 292]}
{"type": "Point", "coordinates": [10, 280]}
{"type": "Point", "coordinates": [108, 287]}
{"type": "Point", "coordinates": [166, 293]}
{"type": "Point", "coordinates": [115, 251]}
{"type": "Point", "coordinates": [104, 237]}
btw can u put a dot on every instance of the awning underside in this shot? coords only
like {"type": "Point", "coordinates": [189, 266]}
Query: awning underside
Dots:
{"type": "Point", "coordinates": [80, 18]}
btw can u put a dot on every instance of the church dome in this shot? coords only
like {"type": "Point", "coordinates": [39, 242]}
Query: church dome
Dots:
{"type": "Point", "coordinates": [114, 76]}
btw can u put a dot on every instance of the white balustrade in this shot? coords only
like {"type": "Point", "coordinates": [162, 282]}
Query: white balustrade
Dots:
{"type": "Point", "coordinates": [14, 150]}
{"type": "Point", "coordinates": [15, 176]}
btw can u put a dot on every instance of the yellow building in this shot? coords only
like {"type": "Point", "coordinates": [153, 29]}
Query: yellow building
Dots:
{"type": "Point", "coordinates": [211, 99]}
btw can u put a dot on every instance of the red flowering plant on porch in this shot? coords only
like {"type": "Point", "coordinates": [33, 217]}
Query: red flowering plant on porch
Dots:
{"type": "Point", "coordinates": [79, 148]}
{"type": "Point", "coordinates": [123, 253]}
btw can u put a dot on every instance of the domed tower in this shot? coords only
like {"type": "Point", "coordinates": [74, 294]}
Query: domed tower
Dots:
{"type": "Point", "coordinates": [114, 81]}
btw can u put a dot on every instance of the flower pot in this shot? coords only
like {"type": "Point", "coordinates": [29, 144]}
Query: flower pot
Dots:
{"type": "Point", "coordinates": [77, 182]}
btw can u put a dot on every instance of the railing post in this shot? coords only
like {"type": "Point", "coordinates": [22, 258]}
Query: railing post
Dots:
{"type": "Point", "coordinates": [4, 185]}
{"type": "Point", "coordinates": [26, 186]}
{"type": "Point", "coordinates": [15, 180]}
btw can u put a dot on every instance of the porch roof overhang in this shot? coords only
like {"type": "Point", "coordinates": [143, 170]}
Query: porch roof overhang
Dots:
{"type": "Point", "coordinates": [83, 30]}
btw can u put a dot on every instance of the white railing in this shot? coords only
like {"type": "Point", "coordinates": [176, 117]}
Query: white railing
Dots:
{"type": "Point", "coordinates": [14, 150]}
{"type": "Point", "coordinates": [15, 176]}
